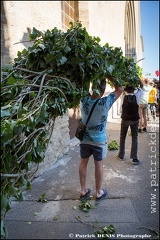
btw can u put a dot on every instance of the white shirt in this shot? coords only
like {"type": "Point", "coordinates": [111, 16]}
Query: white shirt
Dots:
{"type": "Point", "coordinates": [146, 89]}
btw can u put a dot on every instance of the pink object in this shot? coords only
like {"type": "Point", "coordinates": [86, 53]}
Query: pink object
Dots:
{"type": "Point", "coordinates": [157, 73]}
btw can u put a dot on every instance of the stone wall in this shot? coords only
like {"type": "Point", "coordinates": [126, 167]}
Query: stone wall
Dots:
{"type": "Point", "coordinates": [59, 144]}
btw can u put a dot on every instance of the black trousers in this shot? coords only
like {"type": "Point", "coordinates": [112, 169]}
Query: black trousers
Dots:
{"type": "Point", "coordinates": [134, 133]}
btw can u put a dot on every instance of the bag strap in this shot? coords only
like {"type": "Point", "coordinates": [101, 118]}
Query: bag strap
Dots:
{"type": "Point", "coordinates": [92, 110]}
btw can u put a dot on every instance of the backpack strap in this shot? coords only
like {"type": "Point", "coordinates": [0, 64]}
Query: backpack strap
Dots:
{"type": "Point", "coordinates": [92, 110]}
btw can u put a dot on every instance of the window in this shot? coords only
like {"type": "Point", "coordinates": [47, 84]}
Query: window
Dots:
{"type": "Point", "coordinates": [69, 13]}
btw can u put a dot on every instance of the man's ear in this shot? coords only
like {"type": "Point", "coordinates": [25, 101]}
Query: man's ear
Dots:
{"type": "Point", "coordinates": [102, 92]}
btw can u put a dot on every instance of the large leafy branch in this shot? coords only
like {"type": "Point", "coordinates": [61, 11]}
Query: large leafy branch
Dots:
{"type": "Point", "coordinates": [41, 84]}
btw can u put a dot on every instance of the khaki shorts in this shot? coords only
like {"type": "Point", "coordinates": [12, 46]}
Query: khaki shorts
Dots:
{"type": "Point", "coordinates": [143, 106]}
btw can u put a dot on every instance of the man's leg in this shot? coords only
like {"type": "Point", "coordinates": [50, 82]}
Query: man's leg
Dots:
{"type": "Point", "coordinates": [140, 115]}
{"type": "Point", "coordinates": [98, 177]}
{"type": "Point", "coordinates": [123, 133]}
{"type": "Point", "coordinates": [149, 112]}
{"type": "Point", "coordinates": [145, 116]}
{"type": "Point", "coordinates": [82, 175]}
{"type": "Point", "coordinates": [154, 111]}
{"type": "Point", "coordinates": [134, 133]}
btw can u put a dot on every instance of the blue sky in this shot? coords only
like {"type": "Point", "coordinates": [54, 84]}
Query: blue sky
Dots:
{"type": "Point", "coordinates": [150, 33]}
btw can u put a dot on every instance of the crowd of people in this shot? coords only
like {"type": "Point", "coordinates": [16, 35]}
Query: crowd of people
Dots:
{"type": "Point", "coordinates": [138, 106]}
{"type": "Point", "coordinates": [148, 105]}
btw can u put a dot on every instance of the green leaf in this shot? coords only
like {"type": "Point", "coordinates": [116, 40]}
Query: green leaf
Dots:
{"type": "Point", "coordinates": [13, 191]}
{"type": "Point", "coordinates": [4, 231]}
{"type": "Point", "coordinates": [5, 113]}
{"type": "Point", "coordinates": [42, 198]}
{"type": "Point", "coordinates": [67, 49]}
{"type": "Point", "coordinates": [11, 81]}
{"type": "Point", "coordinates": [35, 34]}
{"type": "Point", "coordinates": [20, 197]}
{"type": "Point", "coordinates": [42, 46]}
{"type": "Point", "coordinates": [18, 128]}
{"type": "Point", "coordinates": [63, 60]}
{"type": "Point", "coordinates": [28, 157]}
{"type": "Point", "coordinates": [113, 145]}
{"type": "Point", "coordinates": [28, 186]}
{"type": "Point", "coordinates": [55, 218]}
{"type": "Point", "coordinates": [5, 201]}
{"type": "Point", "coordinates": [40, 151]}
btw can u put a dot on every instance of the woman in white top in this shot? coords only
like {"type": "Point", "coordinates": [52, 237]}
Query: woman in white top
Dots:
{"type": "Point", "coordinates": [143, 105]}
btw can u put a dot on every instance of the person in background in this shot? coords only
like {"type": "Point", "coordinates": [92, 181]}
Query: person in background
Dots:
{"type": "Point", "coordinates": [95, 138]}
{"type": "Point", "coordinates": [152, 102]}
{"type": "Point", "coordinates": [158, 102]}
{"type": "Point", "coordinates": [143, 105]}
{"type": "Point", "coordinates": [130, 118]}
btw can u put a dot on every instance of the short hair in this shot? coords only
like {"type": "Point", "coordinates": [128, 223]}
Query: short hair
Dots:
{"type": "Point", "coordinates": [146, 80]}
{"type": "Point", "coordinates": [129, 89]}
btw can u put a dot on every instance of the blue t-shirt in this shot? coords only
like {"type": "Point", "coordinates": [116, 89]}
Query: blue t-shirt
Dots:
{"type": "Point", "coordinates": [96, 127]}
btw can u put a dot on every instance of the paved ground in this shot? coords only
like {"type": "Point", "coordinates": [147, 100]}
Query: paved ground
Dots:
{"type": "Point", "coordinates": [132, 204]}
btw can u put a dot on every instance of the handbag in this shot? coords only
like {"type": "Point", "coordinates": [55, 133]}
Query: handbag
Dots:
{"type": "Point", "coordinates": [81, 128]}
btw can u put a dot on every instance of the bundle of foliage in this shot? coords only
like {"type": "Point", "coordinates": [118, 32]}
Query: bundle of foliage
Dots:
{"type": "Point", "coordinates": [41, 84]}
{"type": "Point", "coordinates": [85, 206]}
{"type": "Point", "coordinates": [77, 56]}
{"type": "Point", "coordinates": [113, 145]}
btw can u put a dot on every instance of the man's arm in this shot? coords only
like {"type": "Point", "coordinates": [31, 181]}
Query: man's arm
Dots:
{"type": "Point", "coordinates": [141, 83]}
{"type": "Point", "coordinates": [118, 89]}
{"type": "Point", "coordinates": [156, 94]}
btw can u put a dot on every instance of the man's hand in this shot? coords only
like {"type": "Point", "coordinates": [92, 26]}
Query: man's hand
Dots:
{"type": "Point", "coordinates": [118, 89]}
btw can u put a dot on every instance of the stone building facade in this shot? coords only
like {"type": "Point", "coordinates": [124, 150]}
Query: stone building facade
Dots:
{"type": "Point", "coordinates": [115, 22]}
